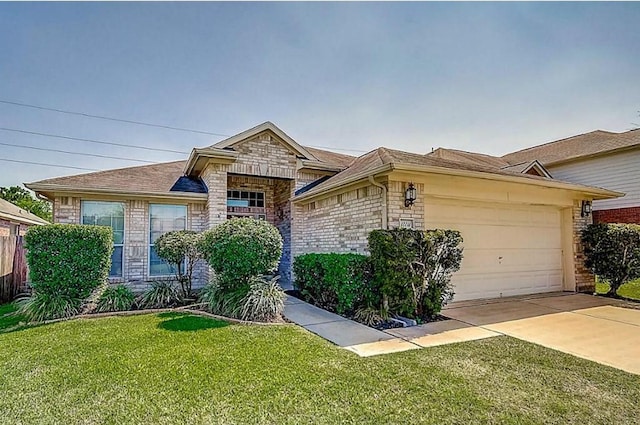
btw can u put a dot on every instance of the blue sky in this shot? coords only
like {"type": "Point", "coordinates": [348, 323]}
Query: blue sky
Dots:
{"type": "Point", "coordinates": [486, 77]}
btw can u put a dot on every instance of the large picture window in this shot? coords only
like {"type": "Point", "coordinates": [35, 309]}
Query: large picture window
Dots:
{"type": "Point", "coordinates": [163, 219]}
{"type": "Point", "coordinates": [109, 214]}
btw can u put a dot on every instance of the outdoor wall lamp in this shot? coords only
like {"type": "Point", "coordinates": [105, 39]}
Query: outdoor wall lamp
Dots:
{"type": "Point", "coordinates": [586, 209]}
{"type": "Point", "coordinates": [410, 195]}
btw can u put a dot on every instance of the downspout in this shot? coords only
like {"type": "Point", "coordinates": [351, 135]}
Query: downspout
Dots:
{"type": "Point", "coordinates": [385, 209]}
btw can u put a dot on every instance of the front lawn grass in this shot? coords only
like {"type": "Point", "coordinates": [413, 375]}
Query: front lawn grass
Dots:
{"type": "Point", "coordinates": [7, 317]}
{"type": "Point", "coordinates": [176, 368]}
{"type": "Point", "coordinates": [629, 290]}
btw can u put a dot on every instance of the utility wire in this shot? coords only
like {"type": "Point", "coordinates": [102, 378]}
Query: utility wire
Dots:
{"type": "Point", "coordinates": [48, 165]}
{"type": "Point", "coordinates": [78, 153]}
{"type": "Point", "coordinates": [102, 117]}
{"type": "Point", "coordinates": [101, 142]}
{"type": "Point", "coordinates": [83, 114]}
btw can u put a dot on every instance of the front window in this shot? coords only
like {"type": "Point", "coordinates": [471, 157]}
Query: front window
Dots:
{"type": "Point", "coordinates": [242, 198]}
{"type": "Point", "coordinates": [109, 214]}
{"type": "Point", "coordinates": [163, 219]}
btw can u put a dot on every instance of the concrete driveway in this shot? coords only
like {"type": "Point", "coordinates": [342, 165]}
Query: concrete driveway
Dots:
{"type": "Point", "coordinates": [594, 328]}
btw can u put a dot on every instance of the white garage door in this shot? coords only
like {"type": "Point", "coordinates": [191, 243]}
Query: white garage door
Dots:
{"type": "Point", "coordinates": [508, 250]}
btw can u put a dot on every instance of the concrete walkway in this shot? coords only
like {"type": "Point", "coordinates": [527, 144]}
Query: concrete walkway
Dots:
{"type": "Point", "coordinates": [594, 328]}
{"type": "Point", "coordinates": [366, 341]}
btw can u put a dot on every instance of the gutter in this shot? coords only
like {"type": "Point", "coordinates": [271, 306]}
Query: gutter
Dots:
{"type": "Point", "coordinates": [385, 207]}
{"type": "Point", "coordinates": [117, 193]}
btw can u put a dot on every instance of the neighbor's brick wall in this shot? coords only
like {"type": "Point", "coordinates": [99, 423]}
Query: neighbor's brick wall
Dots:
{"type": "Point", "coordinates": [585, 281]}
{"type": "Point", "coordinates": [340, 223]}
{"type": "Point", "coordinates": [618, 215]}
{"type": "Point", "coordinates": [398, 211]}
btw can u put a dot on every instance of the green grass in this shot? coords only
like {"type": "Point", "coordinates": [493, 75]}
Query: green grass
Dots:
{"type": "Point", "coordinates": [7, 317]}
{"type": "Point", "coordinates": [629, 290]}
{"type": "Point", "coordinates": [182, 369]}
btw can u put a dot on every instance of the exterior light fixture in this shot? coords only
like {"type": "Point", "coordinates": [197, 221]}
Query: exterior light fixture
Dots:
{"type": "Point", "coordinates": [410, 195]}
{"type": "Point", "coordinates": [586, 209]}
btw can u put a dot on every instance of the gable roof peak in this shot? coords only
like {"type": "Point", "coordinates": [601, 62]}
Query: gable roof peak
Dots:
{"type": "Point", "coordinates": [266, 126]}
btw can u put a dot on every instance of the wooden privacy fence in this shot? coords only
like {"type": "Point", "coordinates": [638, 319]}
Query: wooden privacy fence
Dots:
{"type": "Point", "coordinates": [13, 267]}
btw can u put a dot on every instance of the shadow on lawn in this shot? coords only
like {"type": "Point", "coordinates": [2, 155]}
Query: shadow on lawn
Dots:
{"type": "Point", "coordinates": [185, 322]}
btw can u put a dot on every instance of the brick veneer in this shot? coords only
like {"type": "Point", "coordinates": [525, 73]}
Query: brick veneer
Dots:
{"type": "Point", "coordinates": [618, 215]}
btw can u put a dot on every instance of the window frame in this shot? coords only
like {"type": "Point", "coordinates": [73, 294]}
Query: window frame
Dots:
{"type": "Point", "coordinates": [150, 245]}
{"type": "Point", "coordinates": [259, 196]}
{"type": "Point", "coordinates": [124, 232]}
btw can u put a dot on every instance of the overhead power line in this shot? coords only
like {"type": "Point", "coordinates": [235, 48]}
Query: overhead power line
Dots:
{"type": "Point", "coordinates": [168, 127]}
{"type": "Point", "coordinates": [102, 117]}
{"type": "Point", "coordinates": [101, 142]}
{"type": "Point", "coordinates": [48, 165]}
{"type": "Point", "coordinates": [78, 153]}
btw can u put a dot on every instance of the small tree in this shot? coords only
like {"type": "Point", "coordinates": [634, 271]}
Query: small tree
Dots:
{"type": "Point", "coordinates": [612, 252]}
{"type": "Point", "coordinates": [240, 249]}
{"type": "Point", "coordinates": [180, 250]}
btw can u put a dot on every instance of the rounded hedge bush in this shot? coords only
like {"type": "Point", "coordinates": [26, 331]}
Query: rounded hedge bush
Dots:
{"type": "Point", "coordinates": [240, 249]}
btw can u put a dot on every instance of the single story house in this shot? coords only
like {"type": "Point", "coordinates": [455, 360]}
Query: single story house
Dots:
{"type": "Point", "coordinates": [520, 226]}
{"type": "Point", "coordinates": [15, 221]}
{"type": "Point", "coordinates": [599, 158]}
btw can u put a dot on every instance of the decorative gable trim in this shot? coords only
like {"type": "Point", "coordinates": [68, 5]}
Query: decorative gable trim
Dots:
{"type": "Point", "coordinates": [291, 144]}
{"type": "Point", "coordinates": [538, 168]}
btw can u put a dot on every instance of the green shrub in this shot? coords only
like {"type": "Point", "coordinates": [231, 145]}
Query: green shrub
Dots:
{"type": "Point", "coordinates": [116, 298]}
{"type": "Point", "coordinates": [264, 302]}
{"type": "Point", "coordinates": [612, 252]}
{"type": "Point", "coordinates": [68, 259]}
{"type": "Point", "coordinates": [223, 301]}
{"type": "Point", "coordinates": [335, 282]}
{"type": "Point", "coordinates": [240, 249]}
{"type": "Point", "coordinates": [413, 269]}
{"type": "Point", "coordinates": [180, 249]}
{"type": "Point", "coordinates": [161, 294]}
{"type": "Point", "coordinates": [43, 306]}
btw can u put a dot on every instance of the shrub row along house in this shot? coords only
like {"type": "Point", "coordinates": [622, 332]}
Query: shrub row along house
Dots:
{"type": "Point", "coordinates": [520, 226]}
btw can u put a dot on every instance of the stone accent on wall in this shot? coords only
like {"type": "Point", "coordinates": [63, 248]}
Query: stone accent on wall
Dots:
{"type": "Point", "coordinates": [617, 215]}
{"type": "Point", "coordinates": [585, 281]}
{"type": "Point", "coordinates": [398, 212]}
{"type": "Point", "coordinates": [340, 223]}
{"type": "Point", "coordinates": [66, 210]}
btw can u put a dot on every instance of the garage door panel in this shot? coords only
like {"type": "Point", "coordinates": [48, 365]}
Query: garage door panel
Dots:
{"type": "Point", "coordinates": [533, 259]}
{"type": "Point", "coordinates": [508, 249]}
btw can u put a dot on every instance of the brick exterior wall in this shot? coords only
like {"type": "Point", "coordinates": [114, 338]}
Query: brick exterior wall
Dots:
{"type": "Point", "coordinates": [585, 281]}
{"type": "Point", "coordinates": [397, 210]}
{"type": "Point", "coordinates": [340, 223]}
{"type": "Point", "coordinates": [618, 215]}
{"type": "Point", "coordinates": [282, 192]}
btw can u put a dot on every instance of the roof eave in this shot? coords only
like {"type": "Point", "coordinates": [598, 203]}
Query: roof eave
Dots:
{"type": "Point", "coordinates": [52, 188]}
{"type": "Point", "coordinates": [351, 180]}
{"type": "Point", "coordinates": [200, 157]}
{"type": "Point", "coordinates": [305, 164]}
{"type": "Point", "coordinates": [20, 219]}
{"type": "Point", "coordinates": [595, 192]}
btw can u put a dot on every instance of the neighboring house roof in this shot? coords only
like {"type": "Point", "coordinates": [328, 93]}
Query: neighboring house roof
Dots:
{"type": "Point", "coordinates": [383, 160]}
{"type": "Point", "coordinates": [595, 143]}
{"type": "Point", "coordinates": [12, 212]}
